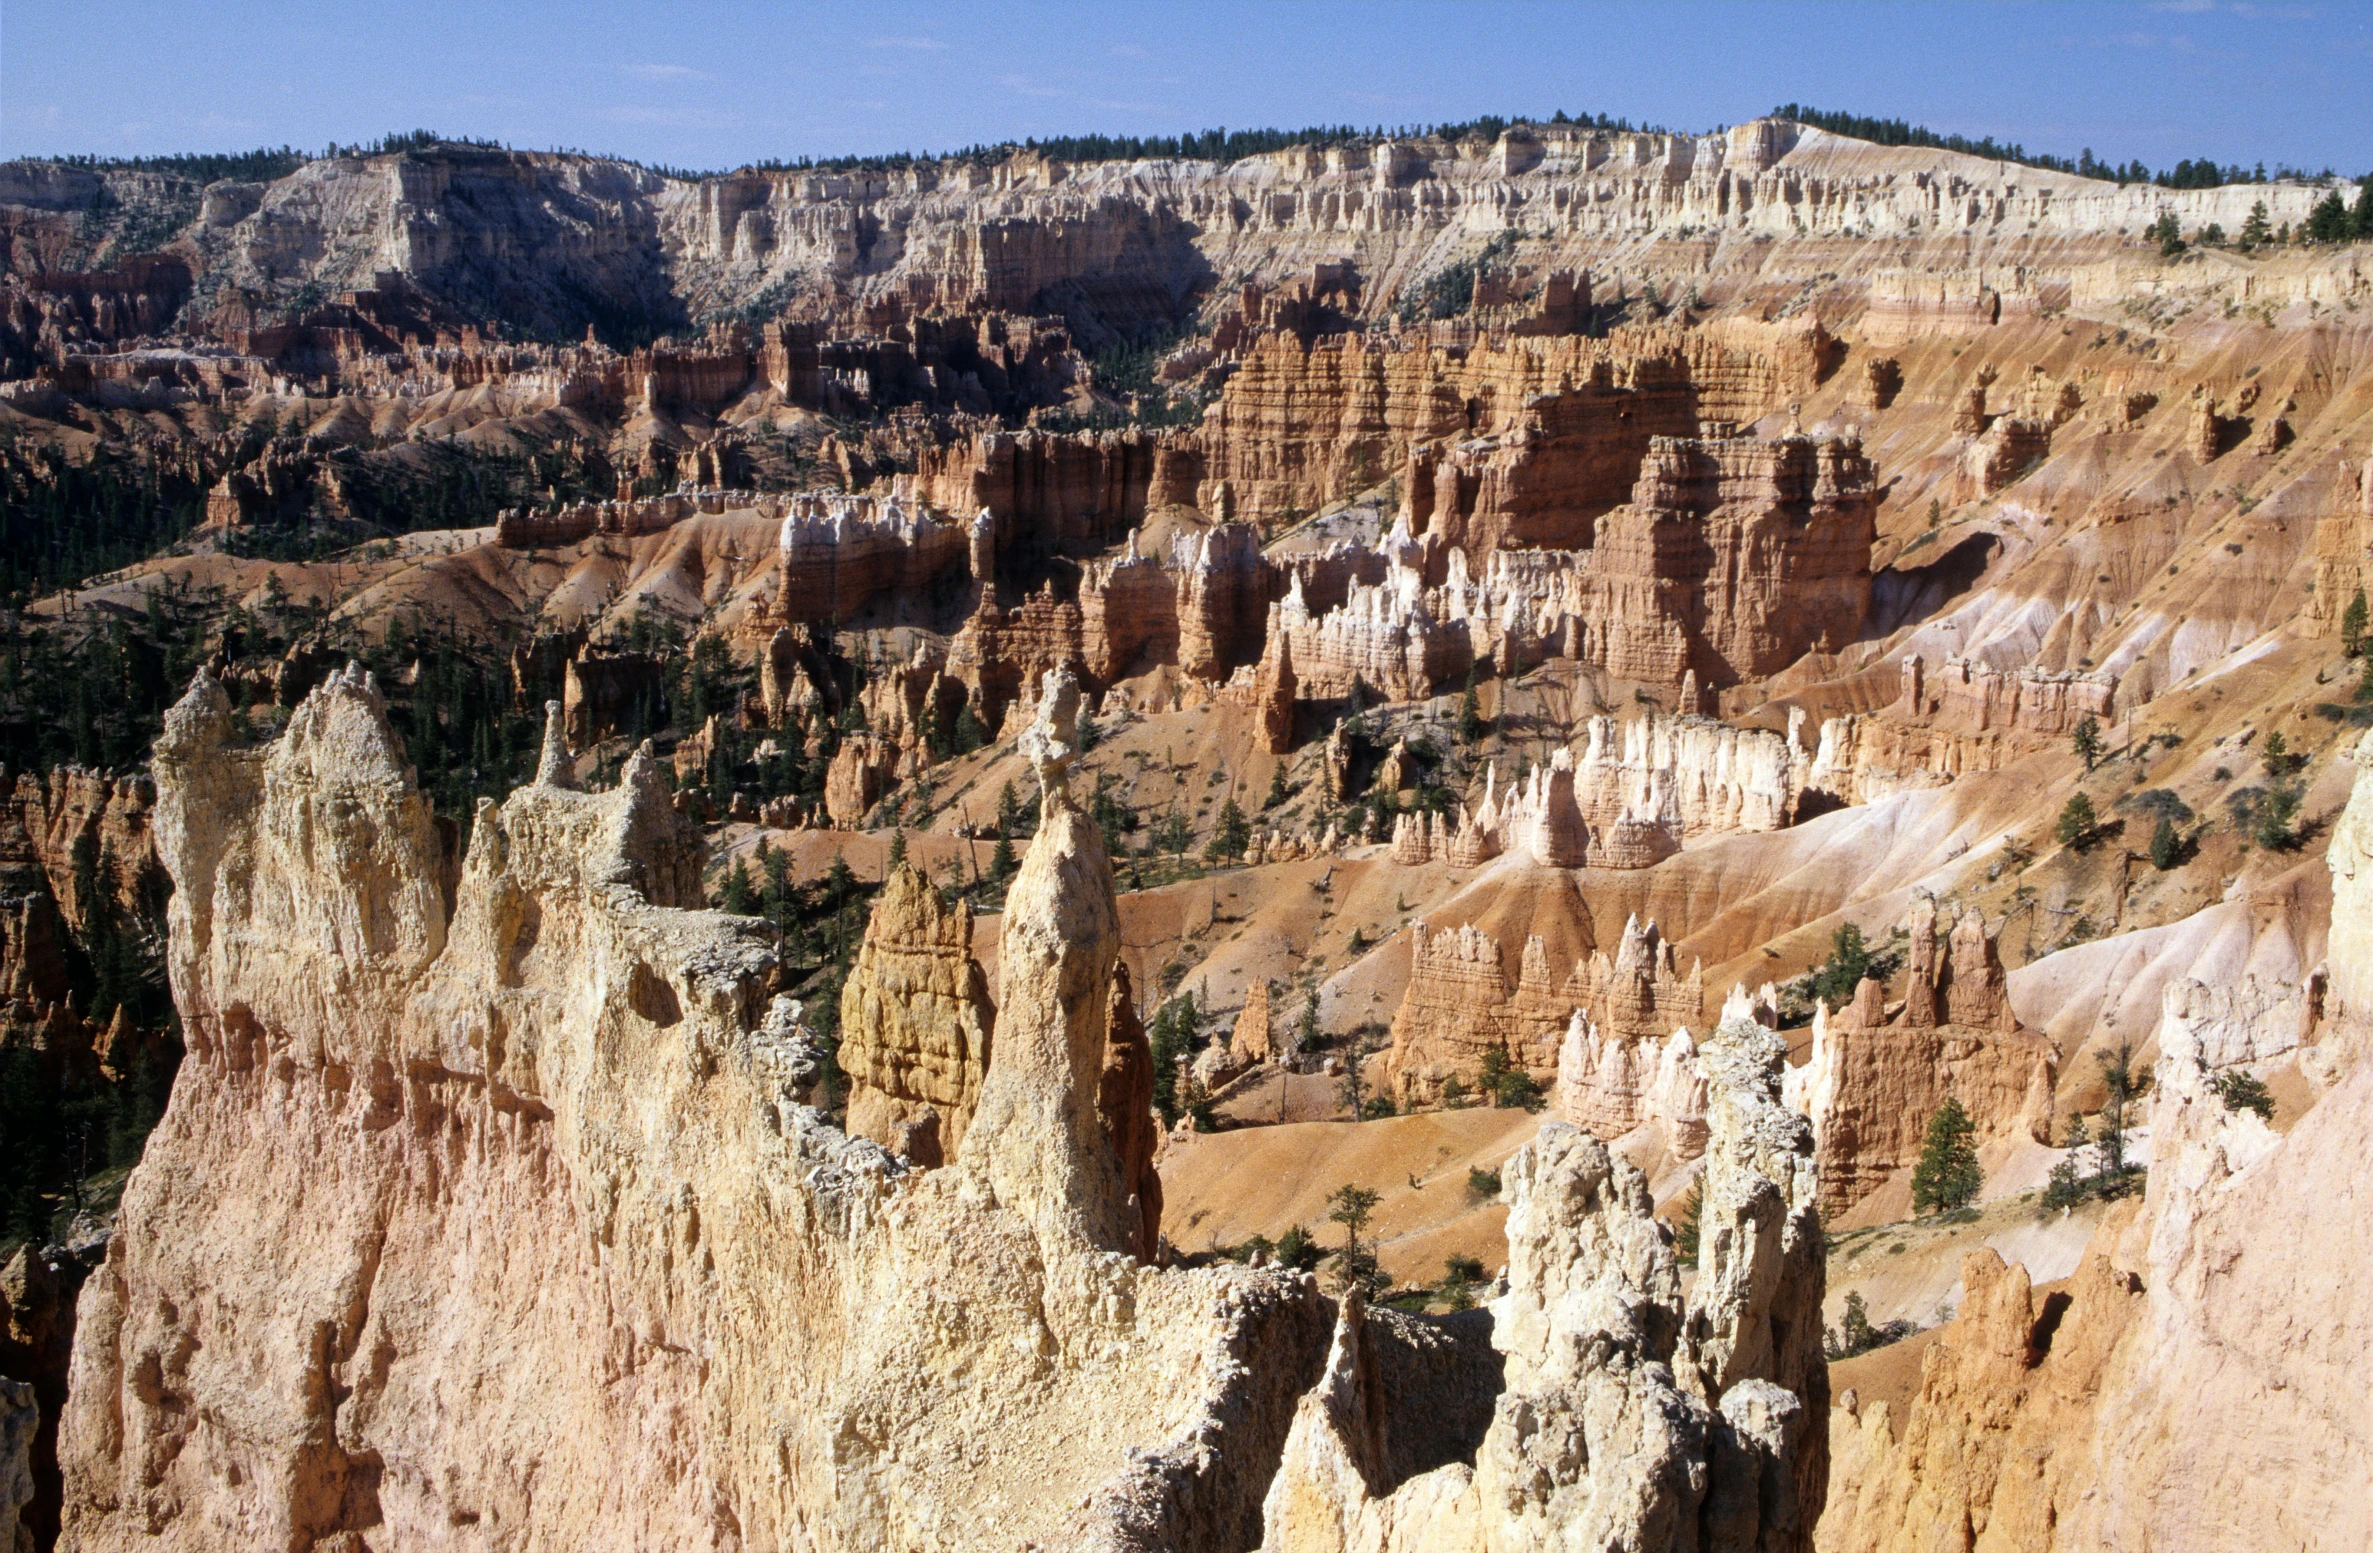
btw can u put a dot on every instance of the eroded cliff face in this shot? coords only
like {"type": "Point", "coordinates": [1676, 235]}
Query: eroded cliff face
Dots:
{"type": "Point", "coordinates": [915, 1023]}
{"type": "Point", "coordinates": [486, 1212]}
{"type": "Point", "coordinates": [1872, 1082]}
{"type": "Point", "coordinates": [1633, 1418]}
{"type": "Point", "coordinates": [2195, 1384]}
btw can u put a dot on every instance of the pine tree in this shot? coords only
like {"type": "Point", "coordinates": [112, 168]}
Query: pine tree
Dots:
{"type": "Point", "coordinates": [1848, 963]}
{"type": "Point", "coordinates": [1083, 732]}
{"type": "Point", "coordinates": [2077, 822]}
{"type": "Point", "coordinates": [2254, 232]}
{"type": "Point", "coordinates": [897, 847]}
{"type": "Point", "coordinates": [1276, 786]}
{"type": "Point", "coordinates": [2328, 222]}
{"type": "Point", "coordinates": [1009, 810]}
{"type": "Point", "coordinates": [2117, 1073]}
{"type": "Point", "coordinates": [1689, 1224]}
{"type": "Point", "coordinates": [2352, 626]}
{"type": "Point", "coordinates": [1470, 712]}
{"type": "Point", "coordinates": [1355, 1264]}
{"type": "Point", "coordinates": [738, 896]}
{"type": "Point", "coordinates": [2087, 741]}
{"type": "Point", "coordinates": [1947, 1175]}
{"type": "Point", "coordinates": [2166, 847]}
{"type": "Point", "coordinates": [1233, 835]}
{"type": "Point", "coordinates": [2361, 220]}
{"type": "Point", "coordinates": [1001, 862]}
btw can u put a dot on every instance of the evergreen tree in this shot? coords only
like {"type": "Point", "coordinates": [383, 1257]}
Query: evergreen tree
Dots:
{"type": "Point", "coordinates": [1001, 862]}
{"type": "Point", "coordinates": [1848, 963]}
{"type": "Point", "coordinates": [2087, 741]}
{"type": "Point", "coordinates": [1276, 786]}
{"type": "Point", "coordinates": [1171, 1035]}
{"type": "Point", "coordinates": [2077, 822]}
{"type": "Point", "coordinates": [2254, 232]}
{"type": "Point", "coordinates": [1083, 732]}
{"type": "Point", "coordinates": [1355, 1264]}
{"type": "Point", "coordinates": [898, 846]}
{"type": "Point", "coordinates": [1689, 1224]}
{"type": "Point", "coordinates": [2117, 1074]}
{"type": "Point", "coordinates": [2328, 222]}
{"type": "Point", "coordinates": [970, 735]}
{"type": "Point", "coordinates": [1947, 1175]}
{"type": "Point", "coordinates": [2352, 625]}
{"type": "Point", "coordinates": [2361, 220]}
{"type": "Point", "coordinates": [2242, 1090]}
{"type": "Point", "coordinates": [1009, 810]}
{"type": "Point", "coordinates": [1470, 712]}
{"type": "Point", "coordinates": [738, 896]}
{"type": "Point", "coordinates": [1231, 837]}
{"type": "Point", "coordinates": [2166, 847]}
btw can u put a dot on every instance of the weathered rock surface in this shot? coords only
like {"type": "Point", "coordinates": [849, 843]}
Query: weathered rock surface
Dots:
{"type": "Point", "coordinates": [2191, 1387]}
{"type": "Point", "coordinates": [1872, 1084]}
{"type": "Point", "coordinates": [1632, 1418]}
{"type": "Point", "coordinates": [915, 1017]}
{"type": "Point", "coordinates": [20, 1419]}
{"type": "Point", "coordinates": [543, 1149]}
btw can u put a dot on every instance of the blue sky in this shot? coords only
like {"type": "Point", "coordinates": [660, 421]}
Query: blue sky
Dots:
{"type": "Point", "coordinates": [712, 85]}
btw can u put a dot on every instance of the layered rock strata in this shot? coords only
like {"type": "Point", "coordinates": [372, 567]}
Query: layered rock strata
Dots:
{"type": "Point", "coordinates": [546, 1147]}
{"type": "Point", "coordinates": [1872, 1083]}
{"type": "Point", "coordinates": [1732, 558]}
{"type": "Point", "coordinates": [916, 1022]}
{"type": "Point", "coordinates": [2187, 1387]}
{"type": "Point", "coordinates": [1632, 1418]}
{"type": "Point", "coordinates": [1459, 1009]}
{"type": "Point", "coordinates": [1963, 696]}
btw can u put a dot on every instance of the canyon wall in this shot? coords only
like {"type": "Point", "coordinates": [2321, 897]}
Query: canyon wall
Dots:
{"type": "Point", "coordinates": [2187, 1387]}
{"type": "Point", "coordinates": [1633, 1417]}
{"type": "Point", "coordinates": [1115, 242]}
{"type": "Point", "coordinates": [545, 1147]}
{"type": "Point", "coordinates": [1872, 1083]}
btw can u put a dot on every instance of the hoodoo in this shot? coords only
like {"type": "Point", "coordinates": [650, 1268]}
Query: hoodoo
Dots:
{"type": "Point", "coordinates": [1513, 835]}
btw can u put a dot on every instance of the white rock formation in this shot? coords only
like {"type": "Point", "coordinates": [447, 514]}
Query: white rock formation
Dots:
{"type": "Point", "coordinates": [1631, 1418]}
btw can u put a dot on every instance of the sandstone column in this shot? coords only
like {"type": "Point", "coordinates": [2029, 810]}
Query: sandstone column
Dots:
{"type": "Point", "coordinates": [1037, 1137]}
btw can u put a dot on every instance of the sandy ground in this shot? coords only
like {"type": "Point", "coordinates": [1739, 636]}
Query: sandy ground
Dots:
{"type": "Point", "coordinates": [1221, 1189]}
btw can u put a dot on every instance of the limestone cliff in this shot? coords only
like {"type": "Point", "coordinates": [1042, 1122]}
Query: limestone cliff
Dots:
{"type": "Point", "coordinates": [487, 1212]}
{"type": "Point", "coordinates": [915, 1022]}
{"type": "Point", "coordinates": [2192, 1386]}
{"type": "Point", "coordinates": [1633, 1418]}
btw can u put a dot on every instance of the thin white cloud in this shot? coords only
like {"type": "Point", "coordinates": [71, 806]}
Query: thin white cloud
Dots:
{"type": "Point", "coordinates": [665, 73]}
{"type": "Point", "coordinates": [927, 45]}
{"type": "Point", "coordinates": [1023, 86]}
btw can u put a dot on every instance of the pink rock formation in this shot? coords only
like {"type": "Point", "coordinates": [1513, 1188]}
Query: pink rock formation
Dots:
{"type": "Point", "coordinates": [1871, 1085]}
{"type": "Point", "coordinates": [606, 693]}
{"type": "Point", "coordinates": [1251, 1040]}
{"type": "Point", "coordinates": [1610, 1085]}
{"type": "Point", "coordinates": [916, 1022]}
{"type": "Point", "coordinates": [2190, 1387]}
{"type": "Point", "coordinates": [1640, 994]}
{"type": "Point", "coordinates": [1631, 1418]}
{"type": "Point", "coordinates": [1965, 696]}
{"type": "Point", "coordinates": [862, 771]}
{"type": "Point", "coordinates": [553, 1132]}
